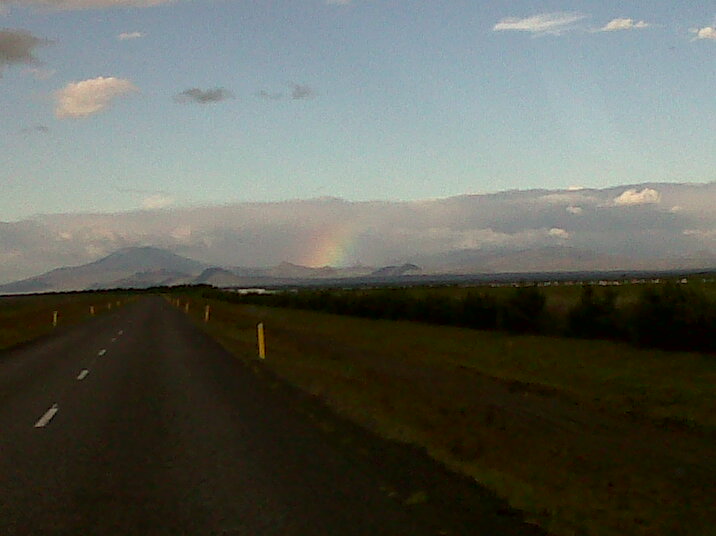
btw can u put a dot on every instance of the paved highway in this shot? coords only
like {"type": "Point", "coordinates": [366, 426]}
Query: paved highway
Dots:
{"type": "Point", "coordinates": [137, 423]}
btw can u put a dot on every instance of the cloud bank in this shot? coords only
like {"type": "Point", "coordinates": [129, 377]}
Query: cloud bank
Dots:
{"type": "Point", "coordinates": [617, 228]}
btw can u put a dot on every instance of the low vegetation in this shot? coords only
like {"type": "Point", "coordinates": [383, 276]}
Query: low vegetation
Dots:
{"type": "Point", "coordinates": [23, 318]}
{"type": "Point", "coordinates": [667, 316]}
{"type": "Point", "coordinates": [587, 437]}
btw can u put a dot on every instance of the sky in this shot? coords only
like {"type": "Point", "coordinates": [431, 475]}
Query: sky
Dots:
{"type": "Point", "coordinates": [114, 105]}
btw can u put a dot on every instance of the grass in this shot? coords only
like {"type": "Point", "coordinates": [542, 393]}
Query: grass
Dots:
{"type": "Point", "coordinates": [593, 438]}
{"type": "Point", "coordinates": [23, 318]}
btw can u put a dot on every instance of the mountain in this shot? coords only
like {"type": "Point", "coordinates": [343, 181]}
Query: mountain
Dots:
{"type": "Point", "coordinates": [134, 266]}
{"type": "Point", "coordinates": [633, 226]}
{"type": "Point", "coordinates": [396, 271]}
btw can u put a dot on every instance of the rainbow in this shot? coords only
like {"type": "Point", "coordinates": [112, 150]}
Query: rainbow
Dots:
{"type": "Point", "coordinates": [331, 246]}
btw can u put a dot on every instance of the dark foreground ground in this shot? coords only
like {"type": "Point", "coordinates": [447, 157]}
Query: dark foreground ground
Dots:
{"type": "Point", "coordinates": [166, 433]}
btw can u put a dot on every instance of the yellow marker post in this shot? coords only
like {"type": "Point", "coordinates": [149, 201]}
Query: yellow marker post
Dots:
{"type": "Point", "coordinates": [186, 307]}
{"type": "Point", "coordinates": [207, 309]}
{"type": "Point", "coordinates": [54, 319]}
{"type": "Point", "coordinates": [92, 310]}
{"type": "Point", "coordinates": [262, 340]}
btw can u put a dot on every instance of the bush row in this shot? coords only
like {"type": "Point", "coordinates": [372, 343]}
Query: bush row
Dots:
{"type": "Point", "coordinates": [669, 316]}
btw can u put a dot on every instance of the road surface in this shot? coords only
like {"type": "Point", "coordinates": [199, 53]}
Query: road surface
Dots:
{"type": "Point", "coordinates": [136, 422]}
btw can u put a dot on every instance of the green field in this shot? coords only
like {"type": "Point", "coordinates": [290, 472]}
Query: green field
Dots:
{"type": "Point", "coordinates": [586, 437]}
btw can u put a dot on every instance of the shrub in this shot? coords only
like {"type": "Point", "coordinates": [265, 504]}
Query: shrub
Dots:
{"type": "Point", "coordinates": [595, 316]}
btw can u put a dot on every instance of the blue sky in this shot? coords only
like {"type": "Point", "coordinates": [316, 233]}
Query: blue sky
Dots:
{"type": "Point", "coordinates": [212, 102]}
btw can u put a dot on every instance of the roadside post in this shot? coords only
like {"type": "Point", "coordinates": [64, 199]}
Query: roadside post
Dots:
{"type": "Point", "coordinates": [109, 306]}
{"type": "Point", "coordinates": [186, 307]}
{"type": "Point", "coordinates": [262, 340]}
{"type": "Point", "coordinates": [54, 319]}
{"type": "Point", "coordinates": [92, 310]}
{"type": "Point", "coordinates": [207, 310]}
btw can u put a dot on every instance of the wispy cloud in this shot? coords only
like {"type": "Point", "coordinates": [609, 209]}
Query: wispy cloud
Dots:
{"type": "Point", "coordinates": [544, 23]}
{"type": "Point", "coordinates": [623, 24]}
{"type": "Point", "coordinates": [267, 95]}
{"type": "Point", "coordinates": [41, 129]}
{"type": "Point", "coordinates": [707, 32]}
{"type": "Point", "coordinates": [39, 73]}
{"type": "Point", "coordinates": [18, 47]}
{"type": "Point", "coordinates": [203, 96]}
{"type": "Point", "coordinates": [301, 92]}
{"type": "Point", "coordinates": [72, 5]}
{"type": "Point", "coordinates": [126, 36]}
{"type": "Point", "coordinates": [85, 98]}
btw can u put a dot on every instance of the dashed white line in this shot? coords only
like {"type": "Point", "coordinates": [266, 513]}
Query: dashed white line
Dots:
{"type": "Point", "coordinates": [101, 352]}
{"type": "Point", "coordinates": [114, 339]}
{"type": "Point", "coordinates": [120, 332]}
{"type": "Point", "coordinates": [82, 375]}
{"type": "Point", "coordinates": [47, 417]}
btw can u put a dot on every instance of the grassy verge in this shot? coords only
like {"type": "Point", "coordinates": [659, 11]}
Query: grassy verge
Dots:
{"type": "Point", "coordinates": [23, 318]}
{"type": "Point", "coordinates": [592, 438]}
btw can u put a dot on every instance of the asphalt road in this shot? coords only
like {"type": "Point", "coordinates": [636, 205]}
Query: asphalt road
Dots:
{"type": "Point", "coordinates": [138, 423]}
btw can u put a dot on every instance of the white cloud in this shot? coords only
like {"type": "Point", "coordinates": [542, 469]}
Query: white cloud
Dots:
{"type": "Point", "coordinates": [574, 210]}
{"type": "Point", "coordinates": [71, 5]}
{"type": "Point", "coordinates": [647, 196]}
{"type": "Point", "coordinates": [82, 99]}
{"type": "Point", "coordinates": [623, 24]}
{"type": "Point", "coordinates": [543, 23]}
{"type": "Point", "coordinates": [559, 233]}
{"type": "Point", "coordinates": [708, 32]}
{"type": "Point", "coordinates": [157, 201]}
{"type": "Point", "coordinates": [125, 36]}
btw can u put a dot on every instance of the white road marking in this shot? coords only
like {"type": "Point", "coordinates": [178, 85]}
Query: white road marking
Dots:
{"type": "Point", "coordinates": [47, 417]}
{"type": "Point", "coordinates": [120, 332]}
{"type": "Point", "coordinates": [82, 375]}
{"type": "Point", "coordinates": [114, 339]}
{"type": "Point", "coordinates": [101, 352]}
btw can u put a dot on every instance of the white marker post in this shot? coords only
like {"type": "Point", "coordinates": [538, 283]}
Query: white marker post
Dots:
{"type": "Point", "coordinates": [186, 307]}
{"type": "Point", "coordinates": [207, 310]}
{"type": "Point", "coordinates": [109, 305]}
{"type": "Point", "coordinates": [262, 340]}
{"type": "Point", "coordinates": [92, 310]}
{"type": "Point", "coordinates": [54, 319]}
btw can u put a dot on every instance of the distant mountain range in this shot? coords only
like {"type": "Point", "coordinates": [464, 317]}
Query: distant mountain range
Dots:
{"type": "Point", "coordinates": [649, 226]}
{"type": "Point", "coordinates": [143, 267]}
